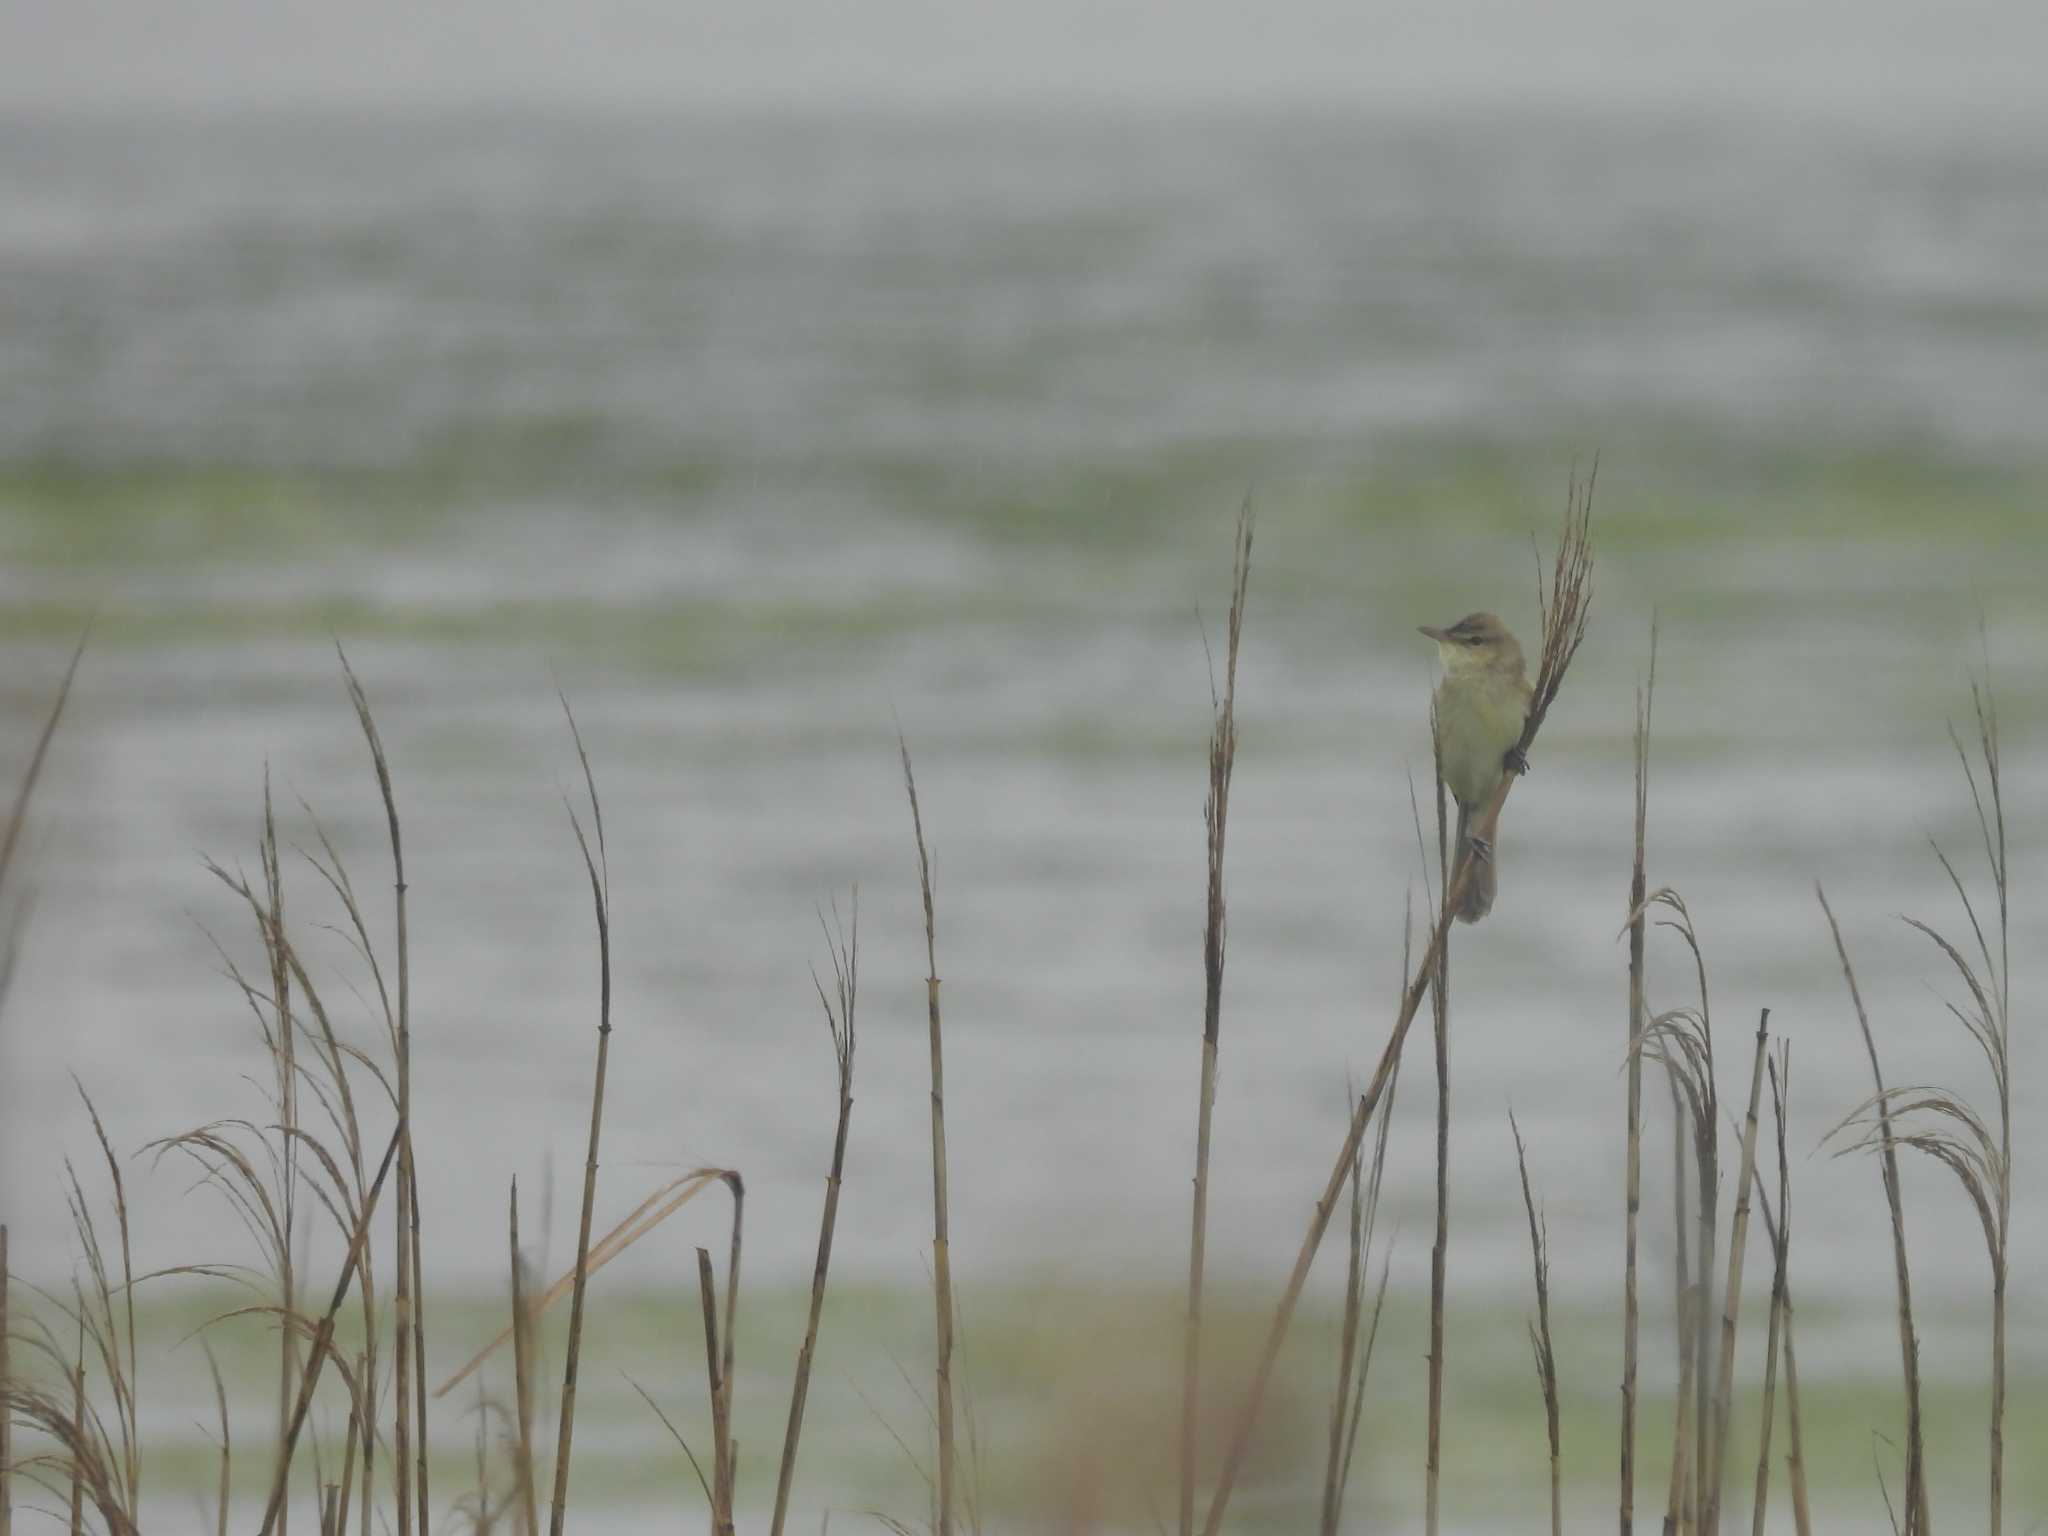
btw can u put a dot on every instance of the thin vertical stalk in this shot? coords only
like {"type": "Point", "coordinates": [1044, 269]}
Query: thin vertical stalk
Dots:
{"type": "Point", "coordinates": [1909, 1341]}
{"type": "Point", "coordinates": [1795, 1448]}
{"type": "Point", "coordinates": [721, 1427]}
{"type": "Point", "coordinates": [942, 1261]}
{"type": "Point", "coordinates": [598, 868]}
{"type": "Point", "coordinates": [738, 1188]}
{"type": "Point", "coordinates": [6, 1402]}
{"type": "Point", "coordinates": [79, 1421]}
{"type": "Point", "coordinates": [1347, 1345]}
{"type": "Point", "coordinates": [1439, 1253]}
{"type": "Point", "coordinates": [1677, 1504]}
{"type": "Point", "coordinates": [1678, 1508]}
{"type": "Point", "coordinates": [407, 1361]}
{"type": "Point", "coordinates": [1638, 889]}
{"type": "Point", "coordinates": [323, 1335]}
{"type": "Point", "coordinates": [359, 1417]}
{"type": "Point", "coordinates": [1731, 1292]}
{"type": "Point", "coordinates": [1780, 1235]}
{"type": "Point", "coordinates": [1539, 1333]}
{"type": "Point", "coordinates": [225, 1480]}
{"type": "Point", "coordinates": [839, 1024]}
{"type": "Point", "coordinates": [285, 1055]}
{"type": "Point", "coordinates": [522, 1383]}
{"type": "Point", "coordinates": [1216, 816]}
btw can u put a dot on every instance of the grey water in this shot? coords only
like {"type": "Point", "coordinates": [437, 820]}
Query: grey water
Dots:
{"type": "Point", "coordinates": [763, 433]}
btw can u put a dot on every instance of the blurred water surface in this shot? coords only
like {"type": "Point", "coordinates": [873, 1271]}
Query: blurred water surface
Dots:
{"type": "Point", "coordinates": [762, 432]}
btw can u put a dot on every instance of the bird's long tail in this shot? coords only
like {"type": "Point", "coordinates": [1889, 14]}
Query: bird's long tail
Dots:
{"type": "Point", "coordinates": [1478, 899]}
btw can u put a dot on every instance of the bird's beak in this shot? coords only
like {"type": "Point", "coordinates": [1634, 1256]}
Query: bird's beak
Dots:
{"type": "Point", "coordinates": [1433, 632]}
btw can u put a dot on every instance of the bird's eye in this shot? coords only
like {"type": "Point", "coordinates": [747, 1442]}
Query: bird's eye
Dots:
{"type": "Point", "coordinates": [1471, 639]}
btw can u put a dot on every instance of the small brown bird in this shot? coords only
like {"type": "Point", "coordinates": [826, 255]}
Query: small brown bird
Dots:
{"type": "Point", "coordinates": [1481, 705]}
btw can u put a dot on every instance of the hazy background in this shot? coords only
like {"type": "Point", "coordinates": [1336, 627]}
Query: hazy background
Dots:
{"type": "Point", "coordinates": [768, 375]}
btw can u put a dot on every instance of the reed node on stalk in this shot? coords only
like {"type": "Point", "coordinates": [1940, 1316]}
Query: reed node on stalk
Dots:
{"type": "Point", "coordinates": [1216, 819]}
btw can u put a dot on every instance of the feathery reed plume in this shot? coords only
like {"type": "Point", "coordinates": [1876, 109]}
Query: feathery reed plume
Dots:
{"type": "Point", "coordinates": [844, 952]}
{"type": "Point", "coordinates": [1539, 1331]}
{"type": "Point", "coordinates": [1216, 818]}
{"type": "Point", "coordinates": [1916, 1500]}
{"type": "Point", "coordinates": [598, 868]}
{"type": "Point", "coordinates": [1939, 1122]}
{"type": "Point", "coordinates": [721, 1428]}
{"type": "Point", "coordinates": [1731, 1291]}
{"type": "Point", "coordinates": [1565, 606]}
{"type": "Point", "coordinates": [1632, 1197]}
{"type": "Point", "coordinates": [1683, 1039]}
{"type": "Point", "coordinates": [408, 1352]}
{"type": "Point", "coordinates": [942, 1259]}
{"type": "Point", "coordinates": [522, 1383]}
{"type": "Point", "coordinates": [1439, 1252]}
{"type": "Point", "coordinates": [1781, 1076]}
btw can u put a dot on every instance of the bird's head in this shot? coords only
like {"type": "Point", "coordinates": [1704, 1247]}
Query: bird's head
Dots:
{"type": "Point", "coordinates": [1479, 642]}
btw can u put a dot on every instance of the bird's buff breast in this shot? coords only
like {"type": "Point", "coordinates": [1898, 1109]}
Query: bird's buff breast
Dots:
{"type": "Point", "coordinates": [1478, 717]}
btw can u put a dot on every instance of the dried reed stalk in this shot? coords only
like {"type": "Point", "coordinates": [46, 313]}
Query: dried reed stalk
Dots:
{"type": "Point", "coordinates": [1638, 890]}
{"type": "Point", "coordinates": [1564, 609]}
{"type": "Point", "coordinates": [721, 1428]}
{"type": "Point", "coordinates": [522, 1383]}
{"type": "Point", "coordinates": [284, 1058]}
{"type": "Point", "coordinates": [1354, 1366]}
{"type": "Point", "coordinates": [324, 1334]}
{"type": "Point", "coordinates": [729, 1460]}
{"type": "Point", "coordinates": [1731, 1292]}
{"type": "Point", "coordinates": [839, 1025]}
{"type": "Point", "coordinates": [1216, 817]}
{"type": "Point", "coordinates": [942, 1261]}
{"type": "Point", "coordinates": [1778, 1234]}
{"type": "Point", "coordinates": [1795, 1447]}
{"type": "Point", "coordinates": [78, 1418]}
{"type": "Point", "coordinates": [1909, 1340]}
{"type": "Point", "coordinates": [598, 868]}
{"type": "Point", "coordinates": [1539, 1332]}
{"type": "Point", "coordinates": [1678, 1502]}
{"type": "Point", "coordinates": [24, 792]}
{"type": "Point", "coordinates": [1439, 1252]}
{"type": "Point", "coordinates": [407, 1360]}
{"type": "Point", "coordinates": [220, 1402]}
{"type": "Point", "coordinates": [1939, 1122]}
{"type": "Point", "coordinates": [6, 1402]}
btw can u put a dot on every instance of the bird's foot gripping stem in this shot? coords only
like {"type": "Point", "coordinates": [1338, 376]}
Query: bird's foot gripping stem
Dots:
{"type": "Point", "coordinates": [1515, 760]}
{"type": "Point", "coordinates": [1482, 849]}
